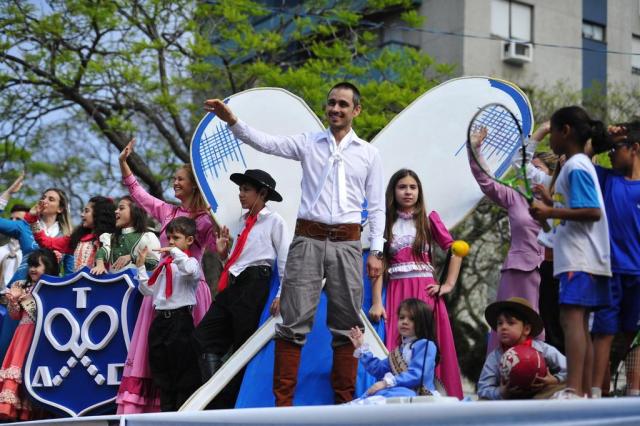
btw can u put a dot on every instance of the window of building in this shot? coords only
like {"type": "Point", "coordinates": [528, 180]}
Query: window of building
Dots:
{"type": "Point", "coordinates": [635, 58]}
{"type": "Point", "coordinates": [593, 31]}
{"type": "Point", "coordinates": [511, 20]}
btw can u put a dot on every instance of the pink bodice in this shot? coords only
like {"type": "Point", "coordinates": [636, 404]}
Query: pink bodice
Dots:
{"type": "Point", "coordinates": [403, 263]}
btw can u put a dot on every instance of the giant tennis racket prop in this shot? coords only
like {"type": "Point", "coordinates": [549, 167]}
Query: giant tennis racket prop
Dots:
{"type": "Point", "coordinates": [498, 132]}
{"type": "Point", "coordinates": [428, 137]}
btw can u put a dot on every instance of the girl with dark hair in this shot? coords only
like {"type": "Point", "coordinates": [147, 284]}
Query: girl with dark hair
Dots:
{"type": "Point", "coordinates": [97, 218]}
{"type": "Point", "coordinates": [542, 171]}
{"type": "Point", "coordinates": [409, 235]}
{"type": "Point", "coordinates": [137, 394]}
{"type": "Point", "coordinates": [123, 247]}
{"type": "Point", "coordinates": [14, 405]}
{"type": "Point", "coordinates": [410, 368]}
{"type": "Point", "coordinates": [581, 251]}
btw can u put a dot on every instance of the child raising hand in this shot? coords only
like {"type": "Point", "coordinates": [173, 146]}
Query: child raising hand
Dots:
{"type": "Point", "coordinates": [410, 368]}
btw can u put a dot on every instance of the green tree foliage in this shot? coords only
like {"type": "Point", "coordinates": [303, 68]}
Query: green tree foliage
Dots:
{"type": "Point", "coordinates": [619, 103]}
{"type": "Point", "coordinates": [79, 78]}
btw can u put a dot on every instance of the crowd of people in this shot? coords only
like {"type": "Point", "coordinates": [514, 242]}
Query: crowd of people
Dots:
{"type": "Point", "coordinates": [586, 267]}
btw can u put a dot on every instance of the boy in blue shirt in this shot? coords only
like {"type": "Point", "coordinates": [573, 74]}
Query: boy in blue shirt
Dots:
{"type": "Point", "coordinates": [621, 190]}
{"type": "Point", "coordinates": [516, 323]}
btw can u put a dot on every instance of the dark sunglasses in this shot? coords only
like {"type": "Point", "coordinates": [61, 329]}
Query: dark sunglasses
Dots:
{"type": "Point", "coordinates": [616, 146]}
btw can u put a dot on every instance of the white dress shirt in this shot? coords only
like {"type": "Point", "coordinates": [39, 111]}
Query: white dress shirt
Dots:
{"type": "Point", "coordinates": [185, 271]}
{"type": "Point", "coordinates": [336, 178]}
{"type": "Point", "coordinates": [10, 258]}
{"type": "Point", "coordinates": [267, 240]}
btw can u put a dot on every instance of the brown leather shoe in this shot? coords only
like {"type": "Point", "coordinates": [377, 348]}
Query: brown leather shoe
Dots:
{"type": "Point", "coordinates": [285, 372]}
{"type": "Point", "coordinates": [343, 373]}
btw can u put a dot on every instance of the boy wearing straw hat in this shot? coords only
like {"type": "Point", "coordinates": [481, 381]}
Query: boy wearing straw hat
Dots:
{"type": "Point", "coordinates": [516, 323]}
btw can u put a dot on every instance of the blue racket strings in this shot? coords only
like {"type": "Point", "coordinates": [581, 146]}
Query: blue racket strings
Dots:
{"type": "Point", "coordinates": [503, 136]}
{"type": "Point", "coordinates": [218, 148]}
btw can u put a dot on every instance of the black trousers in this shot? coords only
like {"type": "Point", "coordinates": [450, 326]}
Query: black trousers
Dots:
{"type": "Point", "coordinates": [231, 320]}
{"type": "Point", "coordinates": [549, 307]}
{"type": "Point", "coordinates": [172, 358]}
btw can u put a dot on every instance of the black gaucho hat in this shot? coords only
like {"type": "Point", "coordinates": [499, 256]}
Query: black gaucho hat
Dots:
{"type": "Point", "coordinates": [260, 179]}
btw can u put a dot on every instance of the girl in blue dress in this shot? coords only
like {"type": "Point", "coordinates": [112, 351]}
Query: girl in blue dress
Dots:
{"type": "Point", "coordinates": [409, 370]}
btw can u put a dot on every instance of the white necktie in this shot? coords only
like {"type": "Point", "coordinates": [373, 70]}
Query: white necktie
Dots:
{"type": "Point", "coordinates": [335, 159]}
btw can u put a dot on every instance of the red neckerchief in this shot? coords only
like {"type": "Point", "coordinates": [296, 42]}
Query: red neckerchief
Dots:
{"type": "Point", "coordinates": [165, 263]}
{"type": "Point", "coordinates": [527, 342]}
{"type": "Point", "coordinates": [237, 250]}
{"type": "Point", "coordinates": [88, 237]}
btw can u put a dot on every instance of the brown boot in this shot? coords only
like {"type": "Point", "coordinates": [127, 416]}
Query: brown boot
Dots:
{"type": "Point", "coordinates": [285, 372]}
{"type": "Point", "coordinates": [343, 373]}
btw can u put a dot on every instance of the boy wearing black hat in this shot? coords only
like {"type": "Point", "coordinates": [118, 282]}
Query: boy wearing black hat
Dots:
{"type": "Point", "coordinates": [243, 287]}
{"type": "Point", "coordinates": [516, 323]}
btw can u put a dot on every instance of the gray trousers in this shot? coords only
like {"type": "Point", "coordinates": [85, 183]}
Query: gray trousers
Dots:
{"type": "Point", "coordinates": [308, 262]}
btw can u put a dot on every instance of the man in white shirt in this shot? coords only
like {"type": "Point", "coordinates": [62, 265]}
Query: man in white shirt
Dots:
{"type": "Point", "coordinates": [339, 171]}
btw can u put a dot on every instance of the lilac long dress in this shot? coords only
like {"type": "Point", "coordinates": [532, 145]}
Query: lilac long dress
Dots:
{"type": "Point", "coordinates": [520, 276]}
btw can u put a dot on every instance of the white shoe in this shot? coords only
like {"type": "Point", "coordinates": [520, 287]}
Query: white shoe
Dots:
{"type": "Point", "coordinates": [566, 393]}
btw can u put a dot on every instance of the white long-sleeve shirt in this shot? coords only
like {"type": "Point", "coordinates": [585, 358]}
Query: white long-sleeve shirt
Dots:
{"type": "Point", "coordinates": [185, 272]}
{"type": "Point", "coordinates": [534, 175]}
{"type": "Point", "coordinates": [10, 258]}
{"type": "Point", "coordinates": [323, 162]}
{"type": "Point", "coordinates": [267, 240]}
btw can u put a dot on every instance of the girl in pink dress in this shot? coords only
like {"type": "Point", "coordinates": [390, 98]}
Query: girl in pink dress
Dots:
{"type": "Point", "coordinates": [137, 393]}
{"type": "Point", "coordinates": [14, 405]}
{"type": "Point", "coordinates": [409, 233]}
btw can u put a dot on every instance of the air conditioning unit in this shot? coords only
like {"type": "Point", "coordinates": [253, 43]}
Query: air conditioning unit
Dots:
{"type": "Point", "coordinates": [516, 52]}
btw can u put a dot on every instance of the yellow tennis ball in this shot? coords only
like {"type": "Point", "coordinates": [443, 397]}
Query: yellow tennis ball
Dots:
{"type": "Point", "coordinates": [460, 248]}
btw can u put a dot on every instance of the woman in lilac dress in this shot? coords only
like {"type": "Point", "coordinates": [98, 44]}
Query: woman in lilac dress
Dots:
{"type": "Point", "coordinates": [520, 273]}
{"type": "Point", "coordinates": [137, 393]}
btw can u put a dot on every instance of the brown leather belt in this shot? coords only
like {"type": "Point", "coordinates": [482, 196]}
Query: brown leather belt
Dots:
{"type": "Point", "coordinates": [322, 231]}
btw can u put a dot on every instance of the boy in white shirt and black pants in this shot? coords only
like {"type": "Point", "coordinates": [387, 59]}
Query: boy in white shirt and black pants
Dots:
{"type": "Point", "coordinates": [173, 361]}
{"type": "Point", "coordinates": [243, 288]}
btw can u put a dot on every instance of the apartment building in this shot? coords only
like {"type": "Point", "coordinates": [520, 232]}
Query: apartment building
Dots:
{"type": "Point", "coordinates": [531, 42]}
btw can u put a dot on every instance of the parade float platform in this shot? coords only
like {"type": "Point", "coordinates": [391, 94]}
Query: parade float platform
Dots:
{"type": "Point", "coordinates": [613, 411]}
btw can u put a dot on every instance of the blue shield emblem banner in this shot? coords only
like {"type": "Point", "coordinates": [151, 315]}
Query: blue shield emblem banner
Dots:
{"type": "Point", "coordinates": [83, 330]}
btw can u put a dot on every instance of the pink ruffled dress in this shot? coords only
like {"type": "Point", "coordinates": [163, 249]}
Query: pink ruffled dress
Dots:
{"type": "Point", "coordinates": [14, 404]}
{"type": "Point", "coordinates": [408, 278]}
{"type": "Point", "coordinates": [137, 394]}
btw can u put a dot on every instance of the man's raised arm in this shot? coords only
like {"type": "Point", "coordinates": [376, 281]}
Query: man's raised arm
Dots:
{"type": "Point", "coordinates": [290, 147]}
